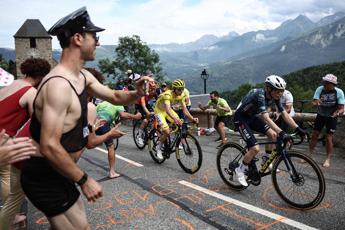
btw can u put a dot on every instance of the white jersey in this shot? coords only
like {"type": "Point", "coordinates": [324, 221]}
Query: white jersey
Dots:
{"type": "Point", "coordinates": [287, 99]}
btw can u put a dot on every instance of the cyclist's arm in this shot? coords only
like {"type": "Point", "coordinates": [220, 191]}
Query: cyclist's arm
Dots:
{"type": "Point", "coordinates": [186, 112]}
{"type": "Point", "coordinates": [168, 109]}
{"type": "Point", "coordinates": [143, 105]}
{"type": "Point", "coordinates": [288, 119]}
{"type": "Point", "coordinates": [265, 116]}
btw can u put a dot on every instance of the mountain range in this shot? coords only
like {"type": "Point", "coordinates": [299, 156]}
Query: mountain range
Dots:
{"type": "Point", "coordinates": [235, 59]}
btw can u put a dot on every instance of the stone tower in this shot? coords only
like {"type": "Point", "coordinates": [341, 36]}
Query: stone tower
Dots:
{"type": "Point", "coordinates": [32, 40]}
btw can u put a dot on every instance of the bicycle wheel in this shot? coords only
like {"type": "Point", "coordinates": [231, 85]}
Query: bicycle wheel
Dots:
{"type": "Point", "coordinates": [152, 143]}
{"type": "Point", "coordinates": [228, 158]}
{"type": "Point", "coordinates": [137, 134]}
{"type": "Point", "coordinates": [305, 189]}
{"type": "Point", "coordinates": [116, 143]}
{"type": "Point", "coordinates": [189, 156]}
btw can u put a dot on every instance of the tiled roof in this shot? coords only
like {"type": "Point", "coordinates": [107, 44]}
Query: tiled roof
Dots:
{"type": "Point", "coordinates": [32, 28]}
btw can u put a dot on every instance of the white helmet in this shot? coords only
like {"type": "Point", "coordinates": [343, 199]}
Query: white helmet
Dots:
{"type": "Point", "coordinates": [275, 81]}
{"type": "Point", "coordinates": [330, 78]}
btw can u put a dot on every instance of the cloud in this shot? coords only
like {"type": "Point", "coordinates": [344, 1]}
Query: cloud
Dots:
{"type": "Point", "coordinates": [158, 21]}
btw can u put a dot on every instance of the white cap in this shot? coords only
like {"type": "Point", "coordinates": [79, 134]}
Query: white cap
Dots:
{"type": "Point", "coordinates": [330, 78]}
{"type": "Point", "coordinates": [5, 78]}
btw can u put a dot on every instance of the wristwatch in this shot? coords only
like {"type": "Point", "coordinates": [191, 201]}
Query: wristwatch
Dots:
{"type": "Point", "coordinates": [83, 179]}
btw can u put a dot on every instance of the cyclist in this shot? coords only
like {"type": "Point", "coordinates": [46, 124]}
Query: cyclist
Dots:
{"type": "Point", "coordinates": [145, 108]}
{"type": "Point", "coordinates": [330, 105]}
{"type": "Point", "coordinates": [163, 111]}
{"type": "Point", "coordinates": [178, 107]}
{"type": "Point", "coordinates": [251, 114]}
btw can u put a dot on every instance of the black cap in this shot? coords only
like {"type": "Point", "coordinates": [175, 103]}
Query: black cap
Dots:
{"type": "Point", "coordinates": [76, 22]}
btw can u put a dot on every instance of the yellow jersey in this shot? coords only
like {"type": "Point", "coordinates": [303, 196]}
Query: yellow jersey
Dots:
{"type": "Point", "coordinates": [169, 98]}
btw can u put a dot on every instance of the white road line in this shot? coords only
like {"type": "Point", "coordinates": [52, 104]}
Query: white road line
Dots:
{"type": "Point", "coordinates": [248, 206]}
{"type": "Point", "coordinates": [122, 158]}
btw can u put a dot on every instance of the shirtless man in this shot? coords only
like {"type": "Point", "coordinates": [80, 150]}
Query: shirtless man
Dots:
{"type": "Point", "coordinates": [59, 125]}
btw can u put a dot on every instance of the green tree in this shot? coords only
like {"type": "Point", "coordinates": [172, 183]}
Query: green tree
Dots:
{"type": "Point", "coordinates": [3, 63]}
{"type": "Point", "coordinates": [134, 54]}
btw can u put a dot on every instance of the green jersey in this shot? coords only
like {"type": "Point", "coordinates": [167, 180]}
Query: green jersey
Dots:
{"type": "Point", "coordinates": [108, 111]}
{"type": "Point", "coordinates": [221, 103]}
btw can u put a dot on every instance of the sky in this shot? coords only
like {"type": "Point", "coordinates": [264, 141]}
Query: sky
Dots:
{"type": "Point", "coordinates": [163, 21]}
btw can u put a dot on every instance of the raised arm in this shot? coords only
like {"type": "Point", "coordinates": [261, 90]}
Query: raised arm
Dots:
{"type": "Point", "coordinates": [117, 97]}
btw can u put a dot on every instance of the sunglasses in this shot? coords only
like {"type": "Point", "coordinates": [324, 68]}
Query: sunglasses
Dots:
{"type": "Point", "coordinates": [95, 37]}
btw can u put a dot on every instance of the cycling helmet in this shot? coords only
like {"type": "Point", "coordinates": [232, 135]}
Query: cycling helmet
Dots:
{"type": "Point", "coordinates": [275, 82]}
{"type": "Point", "coordinates": [330, 78]}
{"type": "Point", "coordinates": [178, 83]}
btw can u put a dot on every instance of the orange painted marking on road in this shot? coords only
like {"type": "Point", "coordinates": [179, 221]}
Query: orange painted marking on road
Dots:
{"type": "Point", "coordinates": [236, 215]}
{"type": "Point", "coordinates": [190, 198]}
{"type": "Point", "coordinates": [110, 221]}
{"type": "Point", "coordinates": [279, 220]}
{"type": "Point", "coordinates": [185, 223]}
{"type": "Point", "coordinates": [168, 202]}
{"type": "Point", "coordinates": [265, 197]}
{"type": "Point", "coordinates": [107, 205]}
{"type": "Point", "coordinates": [42, 220]}
{"type": "Point", "coordinates": [161, 190]}
{"type": "Point", "coordinates": [123, 200]}
{"type": "Point", "coordinates": [142, 211]}
{"type": "Point", "coordinates": [142, 198]}
{"type": "Point", "coordinates": [205, 179]}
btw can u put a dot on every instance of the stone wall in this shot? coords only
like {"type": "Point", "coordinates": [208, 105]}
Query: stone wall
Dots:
{"type": "Point", "coordinates": [339, 135]}
{"type": "Point", "coordinates": [23, 51]}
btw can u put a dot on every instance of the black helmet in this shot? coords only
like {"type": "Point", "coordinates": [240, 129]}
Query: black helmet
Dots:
{"type": "Point", "coordinates": [76, 22]}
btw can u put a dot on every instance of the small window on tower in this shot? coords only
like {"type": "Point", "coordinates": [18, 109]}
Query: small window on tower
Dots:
{"type": "Point", "coordinates": [32, 43]}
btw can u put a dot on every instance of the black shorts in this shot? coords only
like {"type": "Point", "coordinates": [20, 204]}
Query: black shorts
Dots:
{"type": "Point", "coordinates": [48, 191]}
{"type": "Point", "coordinates": [225, 119]}
{"type": "Point", "coordinates": [103, 130]}
{"type": "Point", "coordinates": [246, 124]}
{"type": "Point", "coordinates": [330, 122]}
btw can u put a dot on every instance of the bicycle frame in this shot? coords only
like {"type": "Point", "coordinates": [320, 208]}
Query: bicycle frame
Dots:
{"type": "Point", "coordinates": [178, 134]}
{"type": "Point", "coordinates": [280, 151]}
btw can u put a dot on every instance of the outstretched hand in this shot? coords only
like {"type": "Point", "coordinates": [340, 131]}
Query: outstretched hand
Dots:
{"type": "Point", "coordinates": [14, 150]}
{"type": "Point", "coordinates": [142, 84]}
{"type": "Point", "coordinates": [115, 132]}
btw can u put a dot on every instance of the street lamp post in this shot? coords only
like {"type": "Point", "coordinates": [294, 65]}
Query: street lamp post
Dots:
{"type": "Point", "coordinates": [204, 76]}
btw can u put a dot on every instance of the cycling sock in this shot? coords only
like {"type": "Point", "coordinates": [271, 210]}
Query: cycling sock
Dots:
{"type": "Point", "coordinates": [244, 166]}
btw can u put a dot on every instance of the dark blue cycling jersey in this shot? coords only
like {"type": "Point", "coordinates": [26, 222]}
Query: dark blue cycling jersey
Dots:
{"type": "Point", "coordinates": [256, 102]}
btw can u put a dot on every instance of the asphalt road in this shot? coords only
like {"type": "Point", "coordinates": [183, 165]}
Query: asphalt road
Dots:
{"type": "Point", "coordinates": [153, 196]}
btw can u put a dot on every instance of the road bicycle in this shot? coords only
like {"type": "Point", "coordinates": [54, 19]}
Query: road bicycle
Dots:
{"type": "Point", "coordinates": [152, 124]}
{"type": "Point", "coordinates": [301, 185]}
{"type": "Point", "coordinates": [181, 142]}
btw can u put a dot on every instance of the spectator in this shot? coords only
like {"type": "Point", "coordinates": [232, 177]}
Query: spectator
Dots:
{"type": "Point", "coordinates": [287, 102]}
{"type": "Point", "coordinates": [16, 107]}
{"type": "Point", "coordinates": [223, 118]}
{"type": "Point", "coordinates": [110, 114]}
{"type": "Point", "coordinates": [330, 101]}
{"type": "Point", "coordinates": [60, 125]}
